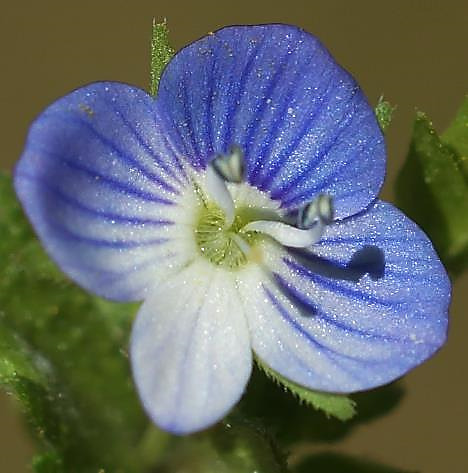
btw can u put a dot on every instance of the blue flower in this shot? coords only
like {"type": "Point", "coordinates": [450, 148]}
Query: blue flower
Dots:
{"type": "Point", "coordinates": [240, 205]}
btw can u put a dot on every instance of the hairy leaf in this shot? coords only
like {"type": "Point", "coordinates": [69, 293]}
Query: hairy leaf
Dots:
{"type": "Point", "coordinates": [229, 447]}
{"type": "Point", "coordinates": [161, 53]}
{"type": "Point", "coordinates": [384, 112]}
{"type": "Point", "coordinates": [456, 136]}
{"type": "Point", "coordinates": [336, 405]}
{"type": "Point", "coordinates": [432, 188]}
{"type": "Point", "coordinates": [63, 355]}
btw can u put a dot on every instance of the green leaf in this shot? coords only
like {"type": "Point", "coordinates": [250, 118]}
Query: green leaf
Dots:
{"type": "Point", "coordinates": [336, 405]}
{"type": "Point", "coordinates": [293, 422]}
{"type": "Point", "coordinates": [236, 446]}
{"type": "Point", "coordinates": [161, 53]}
{"type": "Point", "coordinates": [432, 189]}
{"type": "Point", "coordinates": [63, 356]}
{"type": "Point", "coordinates": [30, 379]}
{"type": "Point", "coordinates": [456, 136]}
{"type": "Point", "coordinates": [384, 112]}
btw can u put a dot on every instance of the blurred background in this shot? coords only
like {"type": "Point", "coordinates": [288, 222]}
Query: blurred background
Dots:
{"type": "Point", "coordinates": [413, 52]}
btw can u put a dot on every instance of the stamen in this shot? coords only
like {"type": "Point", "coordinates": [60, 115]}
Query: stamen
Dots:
{"type": "Point", "coordinates": [288, 235]}
{"type": "Point", "coordinates": [311, 223]}
{"type": "Point", "coordinates": [220, 240]}
{"type": "Point", "coordinates": [217, 190]}
{"type": "Point", "coordinates": [230, 166]}
{"type": "Point", "coordinates": [319, 210]}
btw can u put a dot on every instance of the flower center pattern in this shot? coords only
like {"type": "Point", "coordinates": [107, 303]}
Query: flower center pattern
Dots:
{"type": "Point", "coordinates": [219, 244]}
{"type": "Point", "coordinates": [227, 235]}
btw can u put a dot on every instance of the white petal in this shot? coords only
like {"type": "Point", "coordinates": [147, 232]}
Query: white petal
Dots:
{"type": "Point", "coordinates": [190, 349]}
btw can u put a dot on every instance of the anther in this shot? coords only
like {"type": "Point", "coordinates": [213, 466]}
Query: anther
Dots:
{"type": "Point", "coordinates": [230, 166]}
{"type": "Point", "coordinates": [319, 210]}
{"type": "Point", "coordinates": [312, 220]}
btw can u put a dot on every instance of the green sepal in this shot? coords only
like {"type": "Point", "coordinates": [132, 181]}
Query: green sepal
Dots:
{"type": "Point", "coordinates": [384, 113]}
{"type": "Point", "coordinates": [161, 53]}
{"type": "Point", "coordinates": [432, 187]}
{"type": "Point", "coordinates": [336, 405]}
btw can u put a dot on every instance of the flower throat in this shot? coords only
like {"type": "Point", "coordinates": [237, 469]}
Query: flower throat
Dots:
{"type": "Point", "coordinates": [228, 236]}
{"type": "Point", "coordinates": [227, 247]}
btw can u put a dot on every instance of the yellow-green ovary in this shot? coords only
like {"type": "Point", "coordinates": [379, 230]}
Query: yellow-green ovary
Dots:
{"type": "Point", "coordinates": [216, 243]}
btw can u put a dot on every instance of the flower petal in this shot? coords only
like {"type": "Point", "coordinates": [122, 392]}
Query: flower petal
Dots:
{"type": "Point", "coordinates": [101, 183]}
{"type": "Point", "coordinates": [301, 120]}
{"type": "Point", "coordinates": [360, 309]}
{"type": "Point", "coordinates": [190, 349]}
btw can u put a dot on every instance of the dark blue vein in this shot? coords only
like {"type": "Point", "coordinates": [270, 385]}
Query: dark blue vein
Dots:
{"type": "Point", "coordinates": [322, 153]}
{"type": "Point", "coordinates": [148, 148]}
{"type": "Point", "coordinates": [289, 149]}
{"type": "Point", "coordinates": [99, 214]}
{"type": "Point", "coordinates": [304, 304]}
{"type": "Point", "coordinates": [188, 122]}
{"type": "Point", "coordinates": [337, 288]}
{"type": "Point", "coordinates": [100, 242]}
{"type": "Point", "coordinates": [209, 106]}
{"type": "Point", "coordinates": [160, 123]}
{"type": "Point", "coordinates": [187, 102]}
{"type": "Point", "coordinates": [308, 336]}
{"type": "Point", "coordinates": [259, 114]}
{"type": "Point", "coordinates": [114, 184]}
{"type": "Point", "coordinates": [245, 75]}
{"type": "Point", "coordinates": [321, 185]}
{"type": "Point", "coordinates": [176, 119]}
{"type": "Point", "coordinates": [267, 145]}
{"type": "Point", "coordinates": [123, 157]}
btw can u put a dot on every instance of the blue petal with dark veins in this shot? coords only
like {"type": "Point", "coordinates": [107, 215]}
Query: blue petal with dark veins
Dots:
{"type": "Point", "coordinates": [357, 310]}
{"type": "Point", "coordinates": [302, 121]}
{"type": "Point", "coordinates": [99, 180]}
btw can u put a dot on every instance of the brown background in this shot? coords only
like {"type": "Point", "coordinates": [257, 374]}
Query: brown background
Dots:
{"type": "Point", "coordinates": [413, 51]}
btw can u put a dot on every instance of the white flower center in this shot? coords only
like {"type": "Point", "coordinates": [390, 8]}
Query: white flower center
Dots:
{"type": "Point", "coordinates": [231, 223]}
